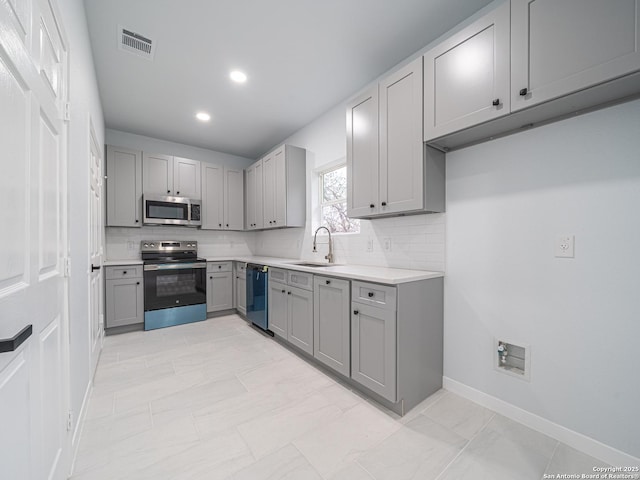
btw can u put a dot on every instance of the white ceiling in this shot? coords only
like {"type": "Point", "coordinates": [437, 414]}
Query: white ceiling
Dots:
{"type": "Point", "coordinates": [302, 57]}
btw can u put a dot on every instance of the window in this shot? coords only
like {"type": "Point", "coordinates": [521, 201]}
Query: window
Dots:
{"type": "Point", "coordinates": [333, 201]}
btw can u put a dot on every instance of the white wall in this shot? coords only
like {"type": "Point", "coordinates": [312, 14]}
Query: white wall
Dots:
{"type": "Point", "coordinates": [85, 106]}
{"type": "Point", "coordinates": [417, 242]}
{"type": "Point", "coordinates": [155, 145]}
{"type": "Point", "coordinates": [507, 200]}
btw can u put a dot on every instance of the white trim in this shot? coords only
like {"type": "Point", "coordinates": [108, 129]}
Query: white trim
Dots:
{"type": "Point", "coordinates": [574, 439]}
{"type": "Point", "coordinates": [77, 432]}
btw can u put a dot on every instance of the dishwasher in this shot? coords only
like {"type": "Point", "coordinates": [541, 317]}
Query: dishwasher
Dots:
{"type": "Point", "coordinates": [257, 298]}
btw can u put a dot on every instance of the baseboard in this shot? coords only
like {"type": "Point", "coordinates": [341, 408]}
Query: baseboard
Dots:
{"type": "Point", "coordinates": [77, 432]}
{"type": "Point", "coordinates": [575, 440]}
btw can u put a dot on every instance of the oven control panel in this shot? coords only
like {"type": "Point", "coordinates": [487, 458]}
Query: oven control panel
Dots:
{"type": "Point", "coordinates": [168, 246]}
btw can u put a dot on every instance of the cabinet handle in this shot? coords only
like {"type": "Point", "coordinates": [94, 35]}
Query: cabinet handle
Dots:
{"type": "Point", "coordinates": [370, 294]}
{"type": "Point", "coordinates": [328, 282]}
{"type": "Point", "coordinates": [210, 278]}
{"type": "Point", "coordinates": [283, 291]}
{"type": "Point", "coordinates": [384, 204]}
{"type": "Point", "coordinates": [496, 102]}
{"type": "Point", "coordinates": [288, 293]}
{"type": "Point", "coordinates": [136, 221]}
{"type": "Point", "coordinates": [372, 206]}
{"type": "Point", "coordinates": [137, 283]}
{"type": "Point", "coordinates": [219, 224]}
{"type": "Point", "coordinates": [227, 224]}
{"type": "Point", "coordinates": [124, 273]}
{"type": "Point", "coordinates": [11, 344]}
{"type": "Point", "coordinates": [356, 312]}
{"type": "Point", "coordinates": [275, 221]}
{"type": "Point", "coordinates": [177, 193]}
{"type": "Point", "coordinates": [168, 191]}
{"type": "Point", "coordinates": [524, 91]}
{"type": "Point", "coordinates": [94, 268]}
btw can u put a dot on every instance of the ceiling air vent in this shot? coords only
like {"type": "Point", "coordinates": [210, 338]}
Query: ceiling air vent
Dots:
{"type": "Point", "coordinates": [133, 42]}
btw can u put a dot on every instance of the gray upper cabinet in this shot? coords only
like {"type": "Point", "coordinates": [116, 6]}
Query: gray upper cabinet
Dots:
{"type": "Point", "coordinates": [561, 47]}
{"type": "Point", "coordinates": [332, 323]}
{"type": "Point", "coordinates": [186, 177]}
{"type": "Point", "coordinates": [222, 198]}
{"type": "Point", "coordinates": [157, 174]}
{"type": "Point", "coordinates": [388, 170]}
{"type": "Point", "coordinates": [466, 77]}
{"type": "Point", "coordinates": [254, 194]}
{"type": "Point", "coordinates": [401, 147]}
{"type": "Point", "coordinates": [167, 175]}
{"type": "Point", "coordinates": [124, 187]}
{"type": "Point", "coordinates": [284, 195]}
{"type": "Point", "coordinates": [362, 154]}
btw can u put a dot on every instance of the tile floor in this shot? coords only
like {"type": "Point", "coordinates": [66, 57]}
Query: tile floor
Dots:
{"type": "Point", "coordinates": [219, 400]}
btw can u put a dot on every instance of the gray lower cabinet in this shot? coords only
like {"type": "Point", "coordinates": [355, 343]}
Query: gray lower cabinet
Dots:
{"type": "Point", "coordinates": [240, 292]}
{"type": "Point", "coordinates": [219, 286]}
{"type": "Point", "coordinates": [396, 340]}
{"type": "Point", "coordinates": [291, 307]}
{"type": "Point", "coordinates": [332, 323]}
{"type": "Point", "coordinates": [124, 296]}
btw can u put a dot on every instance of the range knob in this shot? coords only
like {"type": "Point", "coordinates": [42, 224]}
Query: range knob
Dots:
{"type": "Point", "coordinates": [146, 245]}
{"type": "Point", "coordinates": [153, 244]}
{"type": "Point", "coordinates": [188, 245]}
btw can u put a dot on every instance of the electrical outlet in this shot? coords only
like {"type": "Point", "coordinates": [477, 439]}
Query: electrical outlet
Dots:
{"type": "Point", "coordinates": [387, 244]}
{"type": "Point", "coordinates": [565, 246]}
{"type": "Point", "coordinates": [370, 244]}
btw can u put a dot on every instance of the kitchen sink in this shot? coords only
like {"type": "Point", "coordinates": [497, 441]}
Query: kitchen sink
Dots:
{"type": "Point", "coordinates": [315, 264]}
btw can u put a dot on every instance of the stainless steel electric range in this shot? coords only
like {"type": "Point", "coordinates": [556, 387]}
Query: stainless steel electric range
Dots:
{"type": "Point", "coordinates": [175, 286]}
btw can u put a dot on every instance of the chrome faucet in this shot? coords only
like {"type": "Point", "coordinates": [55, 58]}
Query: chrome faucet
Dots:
{"type": "Point", "coordinates": [329, 255]}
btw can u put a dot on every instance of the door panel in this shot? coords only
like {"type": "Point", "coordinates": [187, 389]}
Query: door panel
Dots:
{"type": "Point", "coordinates": [52, 421]}
{"type": "Point", "coordinates": [362, 154]}
{"type": "Point", "coordinates": [124, 187]}
{"type": "Point", "coordinates": [561, 47]}
{"type": "Point", "coordinates": [49, 200]}
{"type": "Point", "coordinates": [280, 181]}
{"type": "Point", "coordinates": [269, 192]}
{"type": "Point", "coordinates": [234, 199]}
{"type": "Point", "coordinates": [332, 323]}
{"type": "Point", "coordinates": [401, 147]}
{"type": "Point", "coordinates": [212, 196]}
{"type": "Point", "coordinates": [278, 309]}
{"type": "Point", "coordinates": [186, 177]}
{"type": "Point", "coordinates": [259, 196]}
{"type": "Point", "coordinates": [300, 309]}
{"type": "Point", "coordinates": [157, 176]}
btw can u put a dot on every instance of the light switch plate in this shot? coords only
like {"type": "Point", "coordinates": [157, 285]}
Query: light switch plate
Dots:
{"type": "Point", "coordinates": [565, 245]}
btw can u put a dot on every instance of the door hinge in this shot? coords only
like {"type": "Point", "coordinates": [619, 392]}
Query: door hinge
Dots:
{"type": "Point", "coordinates": [69, 421]}
{"type": "Point", "coordinates": [67, 111]}
{"type": "Point", "coordinates": [67, 267]}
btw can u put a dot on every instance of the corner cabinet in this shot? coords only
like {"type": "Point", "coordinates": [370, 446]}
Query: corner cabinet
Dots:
{"type": "Point", "coordinates": [389, 172]}
{"type": "Point", "coordinates": [124, 296]}
{"type": "Point", "coordinates": [284, 194]}
{"type": "Point", "coordinates": [167, 175]}
{"type": "Point", "coordinates": [222, 198]}
{"type": "Point", "coordinates": [124, 187]}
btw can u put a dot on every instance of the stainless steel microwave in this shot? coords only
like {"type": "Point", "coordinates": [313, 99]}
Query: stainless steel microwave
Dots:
{"type": "Point", "coordinates": [166, 210]}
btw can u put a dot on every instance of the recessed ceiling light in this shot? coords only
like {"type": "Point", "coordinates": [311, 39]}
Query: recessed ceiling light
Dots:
{"type": "Point", "coordinates": [238, 77]}
{"type": "Point", "coordinates": [203, 117]}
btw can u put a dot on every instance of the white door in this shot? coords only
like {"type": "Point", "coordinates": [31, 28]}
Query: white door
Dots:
{"type": "Point", "coordinates": [212, 196]}
{"type": "Point", "coordinates": [280, 182]}
{"type": "Point", "coordinates": [269, 192]}
{"type": "Point", "coordinates": [251, 198]}
{"type": "Point", "coordinates": [186, 177]}
{"type": "Point", "coordinates": [233, 198]}
{"type": "Point", "coordinates": [33, 377]}
{"type": "Point", "coordinates": [157, 174]}
{"type": "Point", "coordinates": [96, 309]}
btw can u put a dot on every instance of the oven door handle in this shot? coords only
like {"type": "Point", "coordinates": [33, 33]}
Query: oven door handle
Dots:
{"type": "Point", "coordinates": [175, 266]}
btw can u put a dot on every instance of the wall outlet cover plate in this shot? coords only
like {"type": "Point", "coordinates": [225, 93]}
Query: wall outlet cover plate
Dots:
{"type": "Point", "coordinates": [565, 246]}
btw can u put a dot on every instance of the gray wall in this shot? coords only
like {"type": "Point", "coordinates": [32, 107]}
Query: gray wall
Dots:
{"type": "Point", "coordinates": [507, 200]}
{"type": "Point", "coordinates": [85, 108]}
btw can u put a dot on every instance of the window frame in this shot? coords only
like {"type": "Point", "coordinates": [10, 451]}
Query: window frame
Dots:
{"type": "Point", "coordinates": [326, 203]}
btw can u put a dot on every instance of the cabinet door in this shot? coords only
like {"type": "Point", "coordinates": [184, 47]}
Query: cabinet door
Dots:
{"type": "Point", "coordinates": [269, 193]}
{"type": "Point", "coordinates": [466, 77]}
{"type": "Point", "coordinates": [124, 187]}
{"type": "Point", "coordinates": [157, 175]}
{"type": "Point", "coordinates": [362, 155]}
{"type": "Point", "coordinates": [124, 302]}
{"type": "Point", "coordinates": [331, 323]}
{"type": "Point", "coordinates": [186, 177]}
{"type": "Point", "coordinates": [373, 349]}
{"type": "Point", "coordinates": [278, 310]}
{"type": "Point", "coordinates": [561, 47]}
{"type": "Point", "coordinates": [259, 185]}
{"type": "Point", "coordinates": [250, 195]}
{"type": "Point", "coordinates": [300, 315]}
{"type": "Point", "coordinates": [401, 147]}
{"type": "Point", "coordinates": [219, 291]}
{"type": "Point", "coordinates": [233, 199]}
{"type": "Point", "coordinates": [212, 197]}
{"type": "Point", "coordinates": [280, 181]}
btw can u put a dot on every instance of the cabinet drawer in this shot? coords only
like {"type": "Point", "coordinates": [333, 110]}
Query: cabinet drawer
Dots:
{"type": "Point", "coordinates": [373, 294]}
{"type": "Point", "coordinates": [299, 279]}
{"type": "Point", "coordinates": [278, 275]}
{"type": "Point", "coordinates": [123, 271]}
{"type": "Point", "coordinates": [219, 266]}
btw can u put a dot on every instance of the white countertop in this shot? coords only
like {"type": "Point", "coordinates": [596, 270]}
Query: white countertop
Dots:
{"type": "Point", "coordinates": [367, 273]}
{"type": "Point", "coordinates": [116, 263]}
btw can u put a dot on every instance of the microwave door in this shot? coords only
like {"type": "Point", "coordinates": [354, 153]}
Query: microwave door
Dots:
{"type": "Point", "coordinates": [158, 212]}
